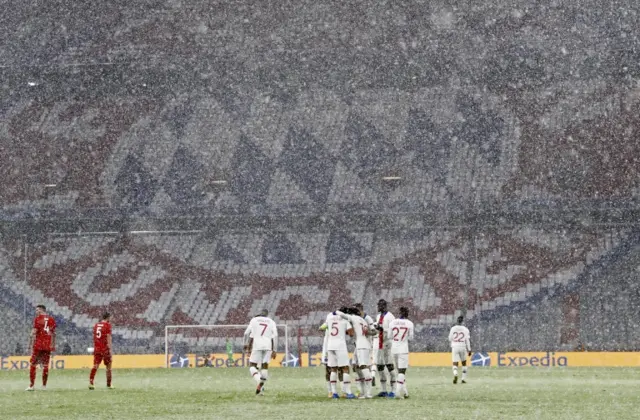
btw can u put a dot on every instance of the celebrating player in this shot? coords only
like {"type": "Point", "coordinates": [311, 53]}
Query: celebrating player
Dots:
{"type": "Point", "coordinates": [362, 350]}
{"type": "Point", "coordinates": [102, 346]}
{"type": "Point", "coordinates": [372, 332]}
{"type": "Point", "coordinates": [382, 349]}
{"type": "Point", "coordinates": [42, 341]}
{"type": "Point", "coordinates": [402, 331]}
{"type": "Point", "coordinates": [337, 354]}
{"type": "Point", "coordinates": [263, 342]}
{"type": "Point", "coordinates": [327, 373]}
{"type": "Point", "coordinates": [460, 348]}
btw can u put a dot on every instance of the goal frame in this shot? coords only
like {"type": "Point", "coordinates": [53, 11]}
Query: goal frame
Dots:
{"type": "Point", "coordinates": [219, 326]}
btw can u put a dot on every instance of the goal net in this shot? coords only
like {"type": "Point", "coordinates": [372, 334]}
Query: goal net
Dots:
{"type": "Point", "coordinates": [217, 346]}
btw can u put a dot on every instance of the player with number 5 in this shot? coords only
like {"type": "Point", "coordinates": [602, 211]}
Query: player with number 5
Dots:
{"type": "Point", "coordinates": [102, 348]}
{"type": "Point", "coordinates": [42, 341]}
{"type": "Point", "coordinates": [460, 347]}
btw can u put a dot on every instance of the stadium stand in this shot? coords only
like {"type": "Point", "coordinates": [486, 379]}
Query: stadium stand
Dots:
{"type": "Point", "coordinates": [151, 280]}
{"type": "Point", "coordinates": [112, 114]}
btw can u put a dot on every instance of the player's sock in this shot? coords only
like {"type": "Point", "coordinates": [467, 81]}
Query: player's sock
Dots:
{"type": "Point", "coordinates": [92, 375]}
{"type": "Point", "coordinates": [360, 381]}
{"type": "Point", "coordinates": [45, 375]}
{"type": "Point", "coordinates": [455, 371]}
{"type": "Point", "coordinates": [329, 387]}
{"type": "Point", "coordinates": [366, 374]}
{"type": "Point", "coordinates": [32, 375]}
{"type": "Point", "coordinates": [255, 374]}
{"type": "Point", "coordinates": [108, 377]}
{"type": "Point", "coordinates": [332, 380]}
{"type": "Point", "coordinates": [264, 375]}
{"type": "Point", "coordinates": [383, 380]}
{"type": "Point", "coordinates": [374, 369]}
{"type": "Point", "coordinates": [346, 381]}
{"type": "Point", "coordinates": [464, 373]}
{"type": "Point", "coordinates": [393, 376]}
{"type": "Point", "coordinates": [400, 385]}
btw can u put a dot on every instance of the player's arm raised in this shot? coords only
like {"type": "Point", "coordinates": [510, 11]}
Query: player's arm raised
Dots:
{"type": "Point", "coordinates": [343, 315]}
{"type": "Point", "coordinates": [349, 328]}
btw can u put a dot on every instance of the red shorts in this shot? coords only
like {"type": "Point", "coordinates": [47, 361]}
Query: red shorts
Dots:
{"type": "Point", "coordinates": [101, 357]}
{"type": "Point", "coordinates": [40, 357]}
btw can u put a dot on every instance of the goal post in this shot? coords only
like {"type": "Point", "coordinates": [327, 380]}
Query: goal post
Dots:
{"type": "Point", "coordinates": [217, 346]}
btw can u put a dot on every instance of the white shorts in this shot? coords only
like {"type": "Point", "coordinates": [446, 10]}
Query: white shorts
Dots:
{"type": "Point", "coordinates": [459, 355]}
{"type": "Point", "coordinates": [337, 358]}
{"type": "Point", "coordinates": [260, 356]}
{"type": "Point", "coordinates": [361, 357]}
{"type": "Point", "coordinates": [402, 360]}
{"type": "Point", "coordinates": [382, 357]}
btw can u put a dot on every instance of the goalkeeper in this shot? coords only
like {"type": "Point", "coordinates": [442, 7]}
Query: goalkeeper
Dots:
{"type": "Point", "coordinates": [230, 350]}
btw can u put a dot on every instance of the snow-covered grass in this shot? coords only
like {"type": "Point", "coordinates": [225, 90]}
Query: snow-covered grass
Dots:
{"type": "Point", "coordinates": [492, 393]}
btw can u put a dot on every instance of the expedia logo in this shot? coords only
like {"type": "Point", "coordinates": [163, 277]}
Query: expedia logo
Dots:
{"type": "Point", "coordinates": [481, 359]}
{"type": "Point", "coordinates": [517, 360]}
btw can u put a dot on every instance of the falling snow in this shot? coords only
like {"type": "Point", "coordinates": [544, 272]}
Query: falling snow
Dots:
{"type": "Point", "coordinates": [193, 162]}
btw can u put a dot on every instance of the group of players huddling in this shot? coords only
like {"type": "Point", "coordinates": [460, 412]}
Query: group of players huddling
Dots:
{"type": "Point", "coordinates": [383, 343]}
{"type": "Point", "coordinates": [379, 347]}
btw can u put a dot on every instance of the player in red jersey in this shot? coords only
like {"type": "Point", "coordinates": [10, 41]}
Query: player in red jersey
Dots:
{"type": "Point", "coordinates": [42, 341]}
{"type": "Point", "coordinates": [102, 348]}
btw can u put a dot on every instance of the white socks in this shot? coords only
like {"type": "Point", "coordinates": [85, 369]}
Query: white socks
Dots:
{"type": "Point", "coordinates": [393, 375]}
{"type": "Point", "coordinates": [464, 373]}
{"type": "Point", "coordinates": [347, 383]}
{"type": "Point", "coordinates": [455, 371]}
{"type": "Point", "coordinates": [383, 380]}
{"type": "Point", "coordinates": [366, 381]}
{"type": "Point", "coordinates": [332, 381]}
{"type": "Point", "coordinates": [255, 374]}
{"type": "Point", "coordinates": [360, 381]}
{"type": "Point", "coordinates": [265, 375]}
{"type": "Point", "coordinates": [400, 390]}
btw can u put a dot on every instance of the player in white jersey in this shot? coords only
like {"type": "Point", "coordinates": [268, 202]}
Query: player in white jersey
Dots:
{"type": "Point", "coordinates": [402, 332]}
{"type": "Point", "coordinates": [460, 348]}
{"type": "Point", "coordinates": [373, 332]}
{"type": "Point", "coordinates": [262, 335]}
{"type": "Point", "coordinates": [362, 350]}
{"type": "Point", "coordinates": [382, 348]}
{"type": "Point", "coordinates": [337, 354]}
{"type": "Point", "coordinates": [327, 369]}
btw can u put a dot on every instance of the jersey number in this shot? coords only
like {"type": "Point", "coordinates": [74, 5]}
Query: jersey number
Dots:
{"type": "Point", "coordinates": [99, 331]}
{"type": "Point", "coordinates": [458, 337]}
{"type": "Point", "coordinates": [46, 325]}
{"type": "Point", "coordinates": [334, 329]}
{"type": "Point", "coordinates": [264, 328]}
{"type": "Point", "coordinates": [397, 330]}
